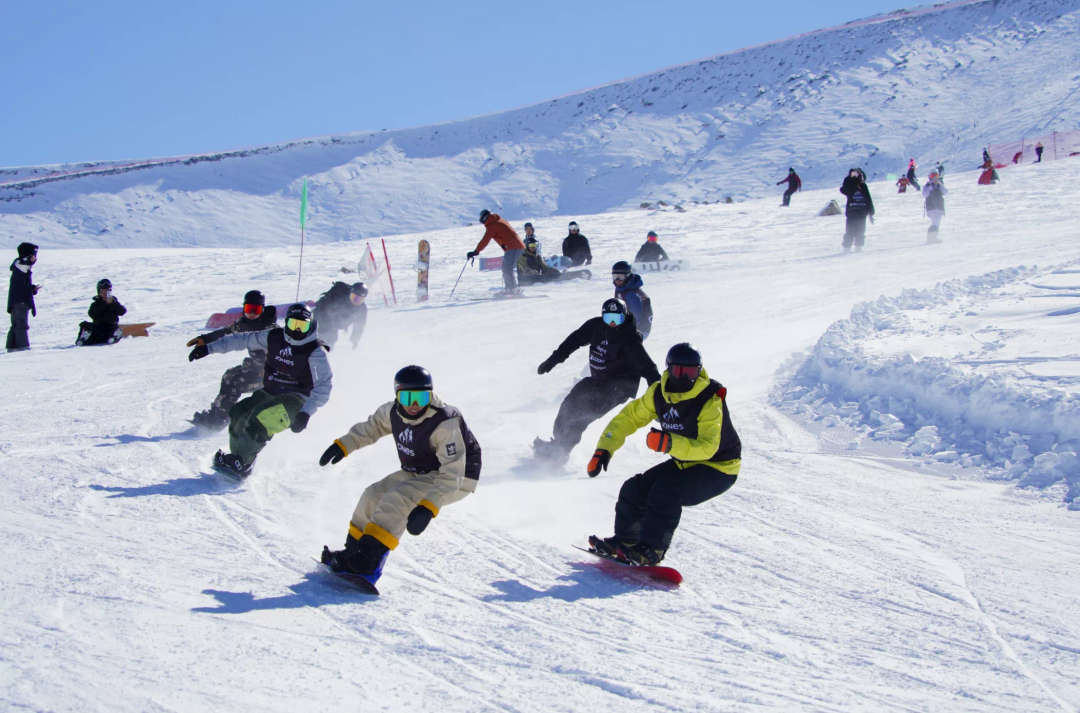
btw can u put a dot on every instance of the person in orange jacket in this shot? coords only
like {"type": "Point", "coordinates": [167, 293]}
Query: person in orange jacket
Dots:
{"type": "Point", "coordinates": [500, 231]}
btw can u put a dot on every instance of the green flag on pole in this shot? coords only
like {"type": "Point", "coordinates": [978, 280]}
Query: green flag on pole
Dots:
{"type": "Point", "coordinates": [303, 206]}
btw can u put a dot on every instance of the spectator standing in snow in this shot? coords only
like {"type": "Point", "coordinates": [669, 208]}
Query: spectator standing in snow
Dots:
{"type": "Point", "coordinates": [500, 231]}
{"type": "Point", "coordinates": [911, 177]}
{"type": "Point", "coordinates": [860, 206]}
{"type": "Point", "coordinates": [794, 184]}
{"type": "Point", "coordinates": [21, 291]}
{"type": "Point", "coordinates": [903, 183]}
{"type": "Point", "coordinates": [940, 170]}
{"type": "Point", "coordinates": [651, 250]}
{"type": "Point", "coordinates": [576, 247]}
{"type": "Point", "coordinates": [986, 155]}
{"type": "Point", "coordinates": [1038, 152]}
{"type": "Point", "coordinates": [934, 193]}
{"type": "Point", "coordinates": [105, 311]}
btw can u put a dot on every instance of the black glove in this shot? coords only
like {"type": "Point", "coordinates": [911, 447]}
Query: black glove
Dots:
{"type": "Point", "coordinates": [419, 519]}
{"type": "Point", "coordinates": [198, 352]}
{"type": "Point", "coordinates": [471, 255]}
{"type": "Point", "coordinates": [300, 422]}
{"type": "Point", "coordinates": [333, 454]}
{"type": "Point", "coordinates": [599, 461]}
{"type": "Point", "coordinates": [545, 367]}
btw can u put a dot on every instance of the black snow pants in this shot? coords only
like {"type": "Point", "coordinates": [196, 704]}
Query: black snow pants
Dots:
{"type": "Point", "coordinates": [96, 334]}
{"type": "Point", "coordinates": [18, 336]}
{"type": "Point", "coordinates": [587, 401]}
{"type": "Point", "coordinates": [245, 378]}
{"type": "Point", "coordinates": [787, 196]}
{"type": "Point", "coordinates": [650, 503]}
{"type": "Point", "coordinates": [856, 230]}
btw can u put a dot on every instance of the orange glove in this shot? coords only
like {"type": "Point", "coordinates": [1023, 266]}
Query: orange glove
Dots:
{"type": "Point", "coordinates": [658, 441]}
{"type": "Point", "coordinates": [600, 460]}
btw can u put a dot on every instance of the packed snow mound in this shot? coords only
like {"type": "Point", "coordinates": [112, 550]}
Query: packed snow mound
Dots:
{"type": "Point", "coordinates": [936, 83]}
{"type": "Point", "coordinates": [978, 372]}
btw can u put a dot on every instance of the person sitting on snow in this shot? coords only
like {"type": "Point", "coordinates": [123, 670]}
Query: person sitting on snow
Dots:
{"type": "Point", "coordinates": [105, 311]}
{"type": "Point", "coordinates": [651, 250]}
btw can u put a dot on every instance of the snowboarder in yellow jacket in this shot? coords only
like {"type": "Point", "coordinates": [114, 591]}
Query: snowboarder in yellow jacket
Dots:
{"type": "Point", "coordinates": [440, 464]}
{"type": "Point", "coordinates": [696, 431]}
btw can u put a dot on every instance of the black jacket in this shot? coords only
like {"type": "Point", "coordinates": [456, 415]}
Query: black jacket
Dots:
{"type": "Point", "coordinates": [266, 320]}
{"type": "Point", "coordinates": [859, 201]}
{"type": "Point", "coordinates": [334, 312]}
{"type": "Point", "coordinates": [576, 247]}
{"type": "Point", "coordinates": [104, 313]}
{"type": "Point", "coordinates": [20, 289]}
{"type": "Point", "coordinates": [614, 352]}
{"type": "Point", "coordinates": [650, 252]}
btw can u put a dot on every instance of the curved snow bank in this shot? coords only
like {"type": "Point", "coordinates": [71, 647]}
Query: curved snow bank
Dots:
{"type": "Point", "coordinates": [946, 408]}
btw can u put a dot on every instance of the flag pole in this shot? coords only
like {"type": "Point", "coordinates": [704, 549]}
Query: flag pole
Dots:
{"type": "Point", "coordinates": [303, 221]}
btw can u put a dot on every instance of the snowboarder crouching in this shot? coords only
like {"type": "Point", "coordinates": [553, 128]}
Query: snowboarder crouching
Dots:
{"type": "Point", "coordinates": [934, 193]}
{"type": "Point", "coordinates": [340, 308]}
{"type": "Point", "coordinates": [696, 431]}
{"type": "Point", "coordinates": [440, 464]}
{"type": "Point", "coordinates": [617, 363]}
{"type": "Point", "coordinates": [497, 229]}
{"type": "Point", "coordinates": [21, 291]}
{"type": "Point", "coordinates": [628, 289]}
{"type": "Point", "coordinates": [860, 206]}
{"type": "Point", "coordinates": [105, 311]}
{"type": "Point", "coordinates": [651, 250]}
{"type": "Point", "coordinates": [247, 376]}
{"type": "Point", "coordinates": [296, 381]}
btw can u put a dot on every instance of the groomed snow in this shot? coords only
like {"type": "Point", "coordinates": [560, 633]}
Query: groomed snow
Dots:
{"type": "Point", "coordinates": [825, 580]}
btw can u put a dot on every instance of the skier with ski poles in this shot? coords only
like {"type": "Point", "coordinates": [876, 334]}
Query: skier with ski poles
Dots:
{"type": "Point", "coordinates": [617, 363]}
{"type": "Point", "coordinates": [706, 455]}
{"type": "Point", "coordinates": [440, 464]}
{"type": "Point", "coordinates": [507, 238]}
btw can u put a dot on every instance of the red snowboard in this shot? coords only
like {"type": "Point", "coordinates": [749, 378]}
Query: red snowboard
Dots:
{"type": "Point", "coordinates": [663, 575]}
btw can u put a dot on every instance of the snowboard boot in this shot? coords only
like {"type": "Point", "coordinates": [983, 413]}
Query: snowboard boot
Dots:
{"type": "Point", "coordinates": [858, 248]}
{"type": "Point", "coordinates": [84, 334]}
{"type": "Point", "coordinates": [115, 337]}
{"type": "Point", "coordinates": [365, 557]}
{"type": "Point", "coordinates": [211, 419]}
{"type": "Point", "coordinates": [585, 274]}
{"type": "Point", "coordinates": [232, 464]}
{"type": "Point", "coordinates": [641, 555]}
{"type": "Point", "coordinates": [607, 546]}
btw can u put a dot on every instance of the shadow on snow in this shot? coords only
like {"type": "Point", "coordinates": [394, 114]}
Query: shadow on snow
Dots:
{"type": "Point", "coordinates": [177, 487]}
{"type": "Point", "coordinates": [587, 581]}
{"type": "Point", "coordinates": [314, 591]}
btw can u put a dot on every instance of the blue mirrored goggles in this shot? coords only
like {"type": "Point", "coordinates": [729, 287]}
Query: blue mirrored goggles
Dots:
{"type": "Point", "coordinates": [615, 317]}
{"type": "Point", "coordinates": [414, 398]}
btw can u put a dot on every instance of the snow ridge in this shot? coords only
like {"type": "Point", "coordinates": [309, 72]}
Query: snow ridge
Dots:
{"type": "Point", "coordinates": [939, 411]}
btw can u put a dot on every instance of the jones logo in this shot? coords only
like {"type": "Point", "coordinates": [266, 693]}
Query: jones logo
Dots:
{"type": "Point", "coordinates": [405, 437]}
{"type": "Point", "coordinates": [451, 449]}
{"type": "Point", "coordinates": [671, 415]}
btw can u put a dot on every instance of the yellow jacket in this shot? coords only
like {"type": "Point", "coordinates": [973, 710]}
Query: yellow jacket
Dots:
{"type": "Point", "coordinates": [687, 451]}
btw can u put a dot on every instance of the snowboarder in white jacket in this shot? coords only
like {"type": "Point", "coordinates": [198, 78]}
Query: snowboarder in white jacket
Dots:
{"type": "Point", "coordinates": [934, 193]}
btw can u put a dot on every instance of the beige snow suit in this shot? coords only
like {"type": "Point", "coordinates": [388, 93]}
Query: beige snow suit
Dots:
{"type": "Point", "coordinates": [384, 507]}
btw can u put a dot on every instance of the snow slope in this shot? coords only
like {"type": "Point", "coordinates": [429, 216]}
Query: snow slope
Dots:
{"type": "Point", "coordinates": [937, 83]}
{"type": "Point", "coordinates": [823, 581]}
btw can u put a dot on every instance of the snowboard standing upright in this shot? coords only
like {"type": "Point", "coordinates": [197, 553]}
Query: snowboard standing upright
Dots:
{"type": "Point", "coordinates": [423, 261]}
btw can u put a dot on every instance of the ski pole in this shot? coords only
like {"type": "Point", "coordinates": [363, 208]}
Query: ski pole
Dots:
{"type": "Point", "coordinates": [467, 261]}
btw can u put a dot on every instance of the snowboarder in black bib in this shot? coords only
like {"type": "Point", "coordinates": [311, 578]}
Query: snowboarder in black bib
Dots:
{"type": "Point", "coordinates": [296, 381]}
{"type": "Point", "coordinates": [21, 291]}
{"type": "Point", "coordinates": [651, 250]}
{"type": "Point", "coordinates": [575, 246]}
{"type": "Point", "coordinates": [617, 362]}
{"type": "Point", "coordinates": [794, 184]}
{"type": "Point", "coordinates": [105, 311]}
{"type": "Point", "coordinates": [340, 308]}
{"type": "Point", "coordinates": [440, 465]}
{"type": "Point", "coordinates": [696, 431]}
{"type": "Point", "coordinates": [628, 289]}
{"type": "Point", "coordinates": [860, 206]}
{"type": "Point", "coordinates": [913, 179]}
{"type": "Point", "coordinates": [248, 375]}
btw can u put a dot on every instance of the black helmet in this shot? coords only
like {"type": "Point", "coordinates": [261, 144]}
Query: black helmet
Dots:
{"type": "Point", "coordinates": [573, 224]}
{"type": "Point", "coordinates": [358, 288]}
{"type": "Point", "coordinates": [613, 306]}
{"type": "Point", "coordinates": [104, 285]}
{"type": "Point", "coordinates": [791, 170]}
{"type": "Point", "coordinates": [413, 378]}
{"type": "Point", "coordinates": [254, 297]}
{"type": "Point", "coordinates": [27, 249]}
{"type": "Point", "coordinates": [531, 240]}
{"type": "Point", "coordinates": [621, 272]}
{"type": "Point", "coordinates": [296, 331]}
{"type": "Point", "coordinates": [484, 215]}
{"type": "Point", "coordinates": [683, 354]}
{"type": "Point", "coordinates": [652, 236]}
{"type": "Point", "coordinates": [528, 225]}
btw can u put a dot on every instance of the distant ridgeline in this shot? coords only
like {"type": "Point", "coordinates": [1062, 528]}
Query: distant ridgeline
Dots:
{"type": "Point", "coordinates": [933, 84]}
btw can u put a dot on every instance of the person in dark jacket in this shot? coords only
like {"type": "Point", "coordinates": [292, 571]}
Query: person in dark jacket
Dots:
{"type": "Point", "coordinates": [628, 289]}
{"type": "Point", "coordinates": [576, 247]}
{"type": "Point", "coordinates": [246, 377]}
{"type": "Point", "coordinates": [651, 250]}
{"type": "Point", "coordinates": [297, 381]}
{"type": "Point", "coordinates": [1038, 153]}
{"type": "Point", "coordinates": [705, 452]}
{"type": "Point", "coordinates": [860, 206]}
{"type": "Point", "coordinates": [794, 184]}
{"type": "Point", "coordinates": [340, 308]}
{"type": "Point", "coordinates": [617, 362]}
{"type": "Point", "coordinates": [912, 178]}
{"type": "Point", "coordinates": [20, 303]}
{"type": "Point", "coordinates": [105, 311]}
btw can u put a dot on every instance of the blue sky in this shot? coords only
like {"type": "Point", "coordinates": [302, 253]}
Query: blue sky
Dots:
{"type": "Point", "coordinates": [111, 80]}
